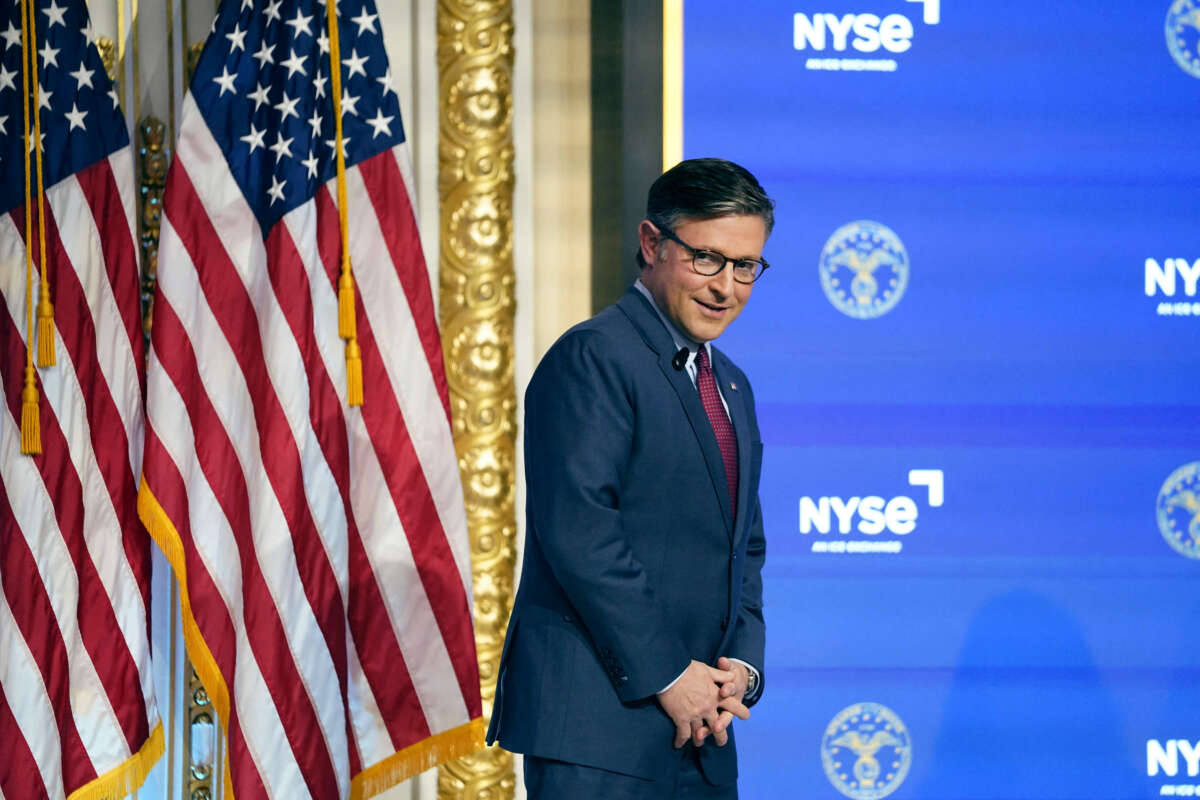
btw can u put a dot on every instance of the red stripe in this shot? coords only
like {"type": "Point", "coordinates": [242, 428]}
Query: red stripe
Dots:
{"type": "Point", "coordinates": [393, 208]}
{"type": "Point", "coordinates": [99, 187]}
{"type": "Point", "coordinates": [411, 495]}
{"type": "Point", "coordinates": [73, 318]}
{"type": "Point", "coordinates": [370, 626]}
{"type": "Point", "coordinates": [19, 776]}
{"type": "Point", "coordinates": [208, 607]}
{"type": "Point", "coordinates": [247, 783]}
{"type": "Point", "coordinates": [97, 622]}
{"type": "Point", "coordinates": [235, 313]}
{"type": "Point", "coordinates": [290, 283]}
{"type": "Point", "coordinates": [264, 629]}
{"type": "Point", "coordinates": [26, 594]}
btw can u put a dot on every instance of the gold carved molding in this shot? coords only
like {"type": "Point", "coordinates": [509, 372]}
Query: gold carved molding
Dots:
{"type": "Point", "coordinates": [477, 309]}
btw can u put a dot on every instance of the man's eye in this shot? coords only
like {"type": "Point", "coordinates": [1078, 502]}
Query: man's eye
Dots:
{"type": "Point", "coordinates": [707, 260]}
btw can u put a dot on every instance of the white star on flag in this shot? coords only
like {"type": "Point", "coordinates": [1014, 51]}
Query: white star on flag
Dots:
{"type": "Point", "coordinates": [75, 117]}
{"type": "Point", "coordinates": [82, 76]}
{"type": "Point", "coordinates": [381, 124]}
{"type": "Point", "coordinates": [254, 138]}
{"type": "Point", "coordinates": [226, 81]}
{"type": "Point", "coordinates": [54, 15]}
{"type": "Point", "coordinates": [49, 55]}
{"type": "Point", "coordinates": [355, 63]}
{"type": "Point", "coordinates": [365, 22]}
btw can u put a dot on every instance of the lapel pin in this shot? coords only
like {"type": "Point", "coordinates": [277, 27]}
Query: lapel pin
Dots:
{"type": "Point", "coordinates": [733, 386]}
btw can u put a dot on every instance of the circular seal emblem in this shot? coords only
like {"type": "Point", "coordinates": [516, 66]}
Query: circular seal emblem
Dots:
{"type": "Point", "coordinates": [864, 269]}
{"type": "Point", "coordinates": [1183, 35]}
{"type": "Point", "coordinates": [1179, 510]}
{"type": "Point", "coordinates": [866, 751]}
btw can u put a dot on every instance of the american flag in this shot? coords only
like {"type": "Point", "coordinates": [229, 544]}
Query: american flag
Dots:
{"type": "Point", "coordinates": [321, 548]}
{"type": "Point", "coordinates": [77, 709]}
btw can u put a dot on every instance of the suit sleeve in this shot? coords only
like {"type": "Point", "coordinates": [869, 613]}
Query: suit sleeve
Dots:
{"type": "Point", "coordinates": [749, 638]}
{"type": "Point", "coordinates": [579, 432]}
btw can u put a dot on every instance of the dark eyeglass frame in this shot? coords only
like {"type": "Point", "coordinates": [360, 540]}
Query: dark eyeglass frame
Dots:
{"type": "Point", "coordinates": [695, 251]}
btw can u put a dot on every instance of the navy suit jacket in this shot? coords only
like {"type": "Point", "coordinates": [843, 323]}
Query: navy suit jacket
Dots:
{"type": "Point", "coordinates": [634, 562]}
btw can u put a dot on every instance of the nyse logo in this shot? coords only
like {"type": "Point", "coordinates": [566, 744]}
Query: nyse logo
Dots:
{"type": "Point", "coordinates": [1183, 35]}
{"type": "Point", "coordinates": [1165, 757]}
{"type": "Point", "coordinates": [870, 515]}
{"type": "Point", "coordinates": [1175, 278]}
{"type": "Point", "coordinates": [866, 751]}
{"type": "Point", "coordinates": [864, 32]}
{"type": "Point", "coordinates": [894, 32]}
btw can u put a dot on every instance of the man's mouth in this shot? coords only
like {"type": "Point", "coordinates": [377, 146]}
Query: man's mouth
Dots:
{"type": "Point", "coordinates": [713, 308]}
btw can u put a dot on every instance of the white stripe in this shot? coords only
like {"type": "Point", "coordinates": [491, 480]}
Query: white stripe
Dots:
{"type": "Point", "coordinates": [386, 305]}
{"type": "Point", "coordinates": [28, 701]}
{"type": "Point", "coordinates": [429, 664]}
{"type": "Point", "coordinates": [32, 511]}
{"type": "Point", "coordinates": [81, 237]}
{"type": "Point", "coordinates": [370, 733]}
{"type": "Point", "coordinates": [409, 610]}
{"type": "Point", "coordinates": [272, 539]}
{"type": "Point", "coordinates": [121, 164]}
{"type": "Point", "coordinates": [101, 528]}
{"type": "Point", "coordinates": [215, 547]}
{"type": "Point", "coordinates": [403, 158]}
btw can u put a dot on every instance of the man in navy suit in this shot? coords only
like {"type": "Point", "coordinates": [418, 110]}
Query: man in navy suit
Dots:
{"type": "Point", "coordinates": [637, 633]}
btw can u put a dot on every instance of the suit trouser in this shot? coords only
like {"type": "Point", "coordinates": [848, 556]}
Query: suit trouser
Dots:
{"type": "Point", "coordinates": [547, 779]}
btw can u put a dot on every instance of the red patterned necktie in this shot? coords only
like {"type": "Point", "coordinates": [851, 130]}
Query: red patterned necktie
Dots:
{"type": "Point", "coordinates": [726, 438]}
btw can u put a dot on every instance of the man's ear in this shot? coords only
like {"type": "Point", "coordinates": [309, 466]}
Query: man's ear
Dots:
{"type": "Point", "coordinates": [648, 241]}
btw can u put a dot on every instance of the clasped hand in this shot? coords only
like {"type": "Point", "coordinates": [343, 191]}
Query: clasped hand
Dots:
{"type": "Point", "coordinates": [705, 700]}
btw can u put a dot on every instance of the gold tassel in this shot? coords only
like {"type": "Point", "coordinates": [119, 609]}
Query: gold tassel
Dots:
{"type": "Point", "coordinates": [354, 380]}
{"type": "Point", "coordinates": [347, 323]}
{"type": "Point", "coordinates": [31, 429]}
{"type": "Point", "coordinates": [45, 329]}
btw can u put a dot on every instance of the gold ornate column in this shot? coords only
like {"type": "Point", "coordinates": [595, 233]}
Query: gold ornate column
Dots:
{"type": "Point", "coordinates": [475, 188]}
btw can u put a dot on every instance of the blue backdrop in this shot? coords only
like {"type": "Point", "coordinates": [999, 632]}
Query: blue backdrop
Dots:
{"type": "Point", "coordinates": [1021, 182]}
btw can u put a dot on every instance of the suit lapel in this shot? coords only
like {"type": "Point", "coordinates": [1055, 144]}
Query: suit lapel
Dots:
{"type": "Point", "coordinates": [644, 318]}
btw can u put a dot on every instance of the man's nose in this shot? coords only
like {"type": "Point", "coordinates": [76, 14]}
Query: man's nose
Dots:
{"type": "Point", "coordinates": [721, 284]}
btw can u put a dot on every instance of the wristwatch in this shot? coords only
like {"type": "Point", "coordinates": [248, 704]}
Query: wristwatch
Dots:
{"type": "Point", "coordinates": [751, 682]}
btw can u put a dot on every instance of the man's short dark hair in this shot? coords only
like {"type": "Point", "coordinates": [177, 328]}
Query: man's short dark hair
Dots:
{"type": "Point", "coordinates": [705, 188]}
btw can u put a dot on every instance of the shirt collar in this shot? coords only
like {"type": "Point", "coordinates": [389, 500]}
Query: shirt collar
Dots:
{"type": "Point", "coordinates": [678, 338]}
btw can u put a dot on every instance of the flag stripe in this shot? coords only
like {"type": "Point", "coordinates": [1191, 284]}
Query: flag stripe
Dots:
{"type": "Point", "coordinates": [19, 771]}
{"type": "Point", "coordinates": [383, 666]}
{"type": "Point", "coordinates": [209, 602]}
{"type": "Point", "coordinates": [234, 312]}
{"type": "Point", "coordinates": [405, 393]}
{"type": "Point", "coordinates": [100, 190]}
{"type": "Point", "coordinates": [77, 334]}
{"type": "Point", "coordinates": [369, 623]}
{"type": "Point", "coordinates": [36, 621]}
{"type": "Point", "coordinates": [413, 378]}
{"type": "Point", "coordinates": [380, 176]}
{"type": "Point", "coordinates": [400, 501]}
{"type": "Point", "coordinates": [84, 316]}
{"type": "Point", "coordinates": [82, 522]}
{"type": "Point", "coordinates": [385, 189]}
{"type": "Point", "coordinates": [216, 455]}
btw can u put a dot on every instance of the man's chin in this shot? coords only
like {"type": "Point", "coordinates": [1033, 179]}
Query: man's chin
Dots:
{"type": "Point", "coordinates": [706, 331]}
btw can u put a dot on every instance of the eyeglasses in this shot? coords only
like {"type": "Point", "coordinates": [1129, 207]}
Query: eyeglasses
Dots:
{"type": "Point", "coordinates": [710, 262]}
